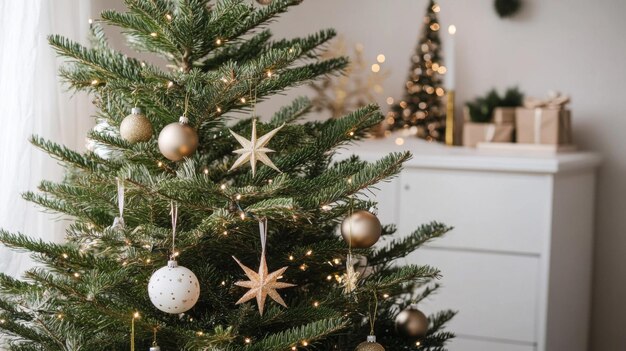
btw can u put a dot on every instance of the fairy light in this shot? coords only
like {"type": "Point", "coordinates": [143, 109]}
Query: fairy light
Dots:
{"type": "Point", "coordinates": [218, 41]}
{"type": "Point", "coordinates": [148, 260]}
{"type": "Point", "coordinates": [242, 215]}
{"type": "Point", "coordinates": [337, 261]}
{"type": "Point", "coordinates": [153, 34]}
{"type": "Point", "coordinates": [65, 256]}
{"type": "Point", "coordinates": [94, 82]}
{"type": "Point", "coordinates": [124, 263]}
{"type": "Point", "coordinates": [399, 141]}
{"type": "Point", "coordinates": [200, 333]}
{"type": "Point", "coordinates": [269, 74]}
{"type": "Point", "coordinates": [136, 315]}
{"type": "Point", "coordinates": [316, 304]}
{"type": "Point", "coordinates": [294, 348]}
{"type": "Point", "coordinates": [2, 321]}
{"type": "Point", "coordinates": [326, 208]}
{"type": "Point", "coordinates": [247, 340]}
{"type": "Point", "coordinates": [90, 21]}
{"type": "Point", "coordinates": [380, 58]}
{"type": "Point", "coordinates": [435, 27]}
{"type": "Point", "coordinates": [60, 316]}
{"type": "Point", "coordinates": [270, 181]}
{"type": "Point", "coordinates": [290, 257]}
{"type": "Point", "coordinates": [223, 186]}
{"type": "Point", "coordinates": [303, 267]}
{"type": "Point", "coordinates": [329, 277]}
{"type": "Point", "coordinates": [385, 295]}
{"type": "Point", "coordinates": [176, 253]}
{"type": "Point", "coordinates": [223, 283]}
{"type": "Point", "coordinates": [309, 253]}
{"type": "Point", "coordinates": [390, 101]}
{"type": "Point", "coordinates": [351, 133]}
{"type": "Point", "coordinates": [206, 171]}
{"type": "Point", "coordinates": [168, 16]}
{"type": "Point", "coordinates": [243, 100]}
{"type": "Point", "coordinates": [225, 232]}
{"type": "Point", "coordinates": [219, 110]}
{"type": "Point", "coordinates": [375, 68]}
{"type": "Point", "coordinates": [238, 197]}
{"type": "Point", "coordinates": [76, 275]}
{"type": "Point", "coordinates": [160, 164]}
{"type": "Point", "coordinates": [170, 84]}
{"type": "Point", "coordinates": [305, 343]}
{"type": "Point", "coordinates": [143, 64]}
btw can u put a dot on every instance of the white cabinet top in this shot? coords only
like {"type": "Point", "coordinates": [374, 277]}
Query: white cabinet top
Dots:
{"type": "Point", "coordinates": [438, 156]}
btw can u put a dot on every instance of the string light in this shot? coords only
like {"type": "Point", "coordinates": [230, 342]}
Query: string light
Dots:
{"type": "Point", "coordinates": [269, 74]}
{"type": "Point", "coordinates": [386, 296]}
{"type": "Point", "coordinates": [2, 321]}
{"type": "Point", "coordinates": [199, 333]}
{"type": "Point", "coordinates": [303, 267]}
{"type": "Point", "coordinates": [243, 100]}
{"type": "Point", "coordinates": [247, 340]}
{"type": "Point", "coordinates": [417, 343]}
{"type": "Point", "coordinates": [351, 133]}
{"type": "Point", "coordinates": [225, 232]}
{"type": "Point", "coordinates": [390, 101]}
{"type": "Point", "coordinates": [65, 255]}
{"type": "Point", "coordinates": [148, 260]}
{"type": "Point", "coordinates": [309, 253]}
{"type": "Point", "coordinates": [168, 16]}
{"type": "Point", "coordinates": [242, 215]}
{"type": "Point", "coordinates": [206, 171]}
{"type": "Point", "coordinates": [316, 304]}
{"type": "Point", "coordinates": [375, 68]}
{"type": "Point", "coordinates": [223, 283]}
{"type": "Point", "coordinates": [337, 261]}
{"type": "Point", "coordinates": [76, 275]}
{"type": "Point", "coordinates": [238, 197]}
{"type": "Point", "coordinates": [94, 82]}
{"type": "Point", "coordinates": [290, 257]}
{"type": "Point", "coordinates": [170, 84]}
{"type": "Point", "coordinates": [293, 348]}
{"type": "Point", "coordinates": [218, 41]}
{"type": "Point", "coordinates": [329, 277]}
{"type": "Point", "coordinates": [160, 164]}
{"type": "Point", "coordinates": [326, 208]}
{"type": "Point", "coordinates": [219, 110]}
{"type": "Point", "coordinates": [305, 343]}
{"type": "Point", "coordinates": [434, 26]}
{"type": "Point", "coordinates": [380, 58]}
{"type": "Point", "coordinates": [399, 141]}
{"type": "Point", "coordinates": [223, 186]}
{"type": "Point", "coordinates": [153, 34]}
{"type": "Point", "coordinates": [60, 316]}
{"type": "Point", "coordinates": [136, 315]}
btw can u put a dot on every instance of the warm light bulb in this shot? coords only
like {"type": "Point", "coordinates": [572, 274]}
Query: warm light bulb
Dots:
{"type": "Point", "coordinates": [65, 255]}
{"type": "Point", "coordinates": [375, 68]}
{"type": "Point", "coordinates": [168, 16]}
{"type": "Point", "coordinates": [247, 340]}
{"type": "Point", "coordinates": [452, 29]}
{"type": "Point", "coordinates": [399, 141]}
{"type": "Point", "coordinates": [136, 315]}
{"type": "Point", "coordinates": [380, 58]}
{"type": "Point", "coordinates": [309, 253]}
{"type": "Point", "coordinates": [90, 21]}
{"type": "Point", "coordinates": [153, 34]}
{"type": "Point", "coordinates": [390, 101]}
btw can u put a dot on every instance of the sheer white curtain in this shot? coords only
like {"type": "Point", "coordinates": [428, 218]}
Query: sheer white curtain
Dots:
{"type": "Point", "coordinates": [32, 101]}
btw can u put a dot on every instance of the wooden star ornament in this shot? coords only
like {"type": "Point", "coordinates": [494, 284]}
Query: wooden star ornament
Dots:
{"type": "Point", "coordinates": [255, 149]}
{"type": "Point", "coordinates": [262, 284]}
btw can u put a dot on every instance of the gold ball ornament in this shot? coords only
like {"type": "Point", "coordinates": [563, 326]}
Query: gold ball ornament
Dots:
{"type": "Point", "coordinates": [136, 127]}
{"type": "Point", "coordinates": [411, 322]}
{"type": "Point", "coordinates": [361, 229]}
{"type": "Point", "coordinates": [370, 345]}
{"type": "Point", "coordinates": [178, 140]}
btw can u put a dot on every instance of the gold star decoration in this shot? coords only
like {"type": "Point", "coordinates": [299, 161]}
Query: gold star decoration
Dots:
{"type": "Point", "coordinates": [262, 284]}
{"type": "Point", "coordinates": [254, 150]}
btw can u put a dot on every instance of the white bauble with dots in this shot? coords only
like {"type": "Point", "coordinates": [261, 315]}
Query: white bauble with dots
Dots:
{"type": "Point", "coordinates": [173, 289]}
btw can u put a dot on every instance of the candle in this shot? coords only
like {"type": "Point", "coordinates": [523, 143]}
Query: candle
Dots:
{"type": "Point", "coordinates": [449, 76]}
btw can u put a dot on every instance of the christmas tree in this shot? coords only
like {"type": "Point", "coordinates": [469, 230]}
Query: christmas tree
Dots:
{"type": "Point", "coordinates": [420, 110]}
{"type": "Point", "coordinates": [158, 218]}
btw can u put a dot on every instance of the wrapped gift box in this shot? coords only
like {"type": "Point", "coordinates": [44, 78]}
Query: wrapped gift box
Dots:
{"type": "Point", "coordinates": [541, 125]}
{"type": "Point", "coordinates": [504, 115]}
{"type": "Point", "coordinates": [474, 133]}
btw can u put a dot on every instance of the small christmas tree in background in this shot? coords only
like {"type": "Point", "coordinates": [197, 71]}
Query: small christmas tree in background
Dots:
{"type": "Point", "coordinates": [421, 109]}
{"type": "Point", "coordinates": [189, 189]}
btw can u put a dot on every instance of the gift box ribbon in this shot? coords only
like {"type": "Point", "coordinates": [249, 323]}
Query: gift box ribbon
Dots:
{"type": "Point", "coordinates": [554, 101]}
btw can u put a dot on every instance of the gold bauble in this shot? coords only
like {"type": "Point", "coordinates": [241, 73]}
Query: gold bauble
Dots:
{"type": "Point", "coordinates": [136, 127]}
{"type": "Point", "coordinates": [361, 229]}
{"type": "Point", "coordinates": [412, 322]}
{"type": "Point", "coordinates": [370, 345]}
{"type": "Point", "coordinates": [178, 140]}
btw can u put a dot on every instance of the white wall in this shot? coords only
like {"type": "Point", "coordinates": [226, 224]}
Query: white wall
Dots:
{"type": "Point", "coordinates": [575, 46]}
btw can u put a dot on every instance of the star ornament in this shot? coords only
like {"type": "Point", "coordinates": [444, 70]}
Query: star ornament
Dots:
{"type": "Point", "coordinates": [262, 284]}
{"type": "Point", "coordinates": [255, 149]}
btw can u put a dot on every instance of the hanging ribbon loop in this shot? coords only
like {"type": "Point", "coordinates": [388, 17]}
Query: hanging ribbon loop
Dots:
{"type": "Point", "coordinates": [174, 214]}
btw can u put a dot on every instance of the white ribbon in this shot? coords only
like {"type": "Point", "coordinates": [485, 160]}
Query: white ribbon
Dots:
{"type": "Point", "coordinates": [174, 213]}
{"type": "Point", "coordinates": [490, 132]}
{"type": "Point", "coordinates": [118, 222]}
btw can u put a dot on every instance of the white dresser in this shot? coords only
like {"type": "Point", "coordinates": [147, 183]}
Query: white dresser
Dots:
{"type": "Point", "coordinates": [517, 266]}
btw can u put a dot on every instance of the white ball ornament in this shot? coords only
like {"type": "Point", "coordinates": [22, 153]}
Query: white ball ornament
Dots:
{"type": "Point", "coordinates": [178, 140]}
{"type": "Point", "coordinates": [174, 289]}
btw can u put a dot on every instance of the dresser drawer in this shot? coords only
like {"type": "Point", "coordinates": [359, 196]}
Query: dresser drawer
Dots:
{"type": "Point", "coordinates": [489, 210]}
{"type": "Point", "coordinates": [464, 344]}
{"type": "Point", "coordinates": [496, 295]}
